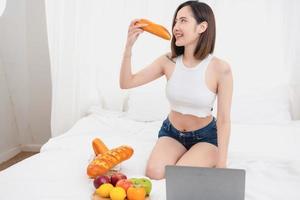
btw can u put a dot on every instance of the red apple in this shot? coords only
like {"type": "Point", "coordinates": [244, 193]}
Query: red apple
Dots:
{"type": "Point", "coordinates": [124, 183]}
{"type": "Point", "coordinates": [116, 177]}
{"type": "Point", "coordinates": [99, 180]}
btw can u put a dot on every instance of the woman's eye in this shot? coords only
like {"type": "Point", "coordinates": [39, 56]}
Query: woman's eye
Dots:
{"type": "Point", "coordinates": [181, 21]}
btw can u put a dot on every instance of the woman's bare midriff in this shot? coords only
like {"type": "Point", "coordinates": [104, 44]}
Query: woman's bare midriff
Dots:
{"type": "Point", "coordinates": [186, 123]}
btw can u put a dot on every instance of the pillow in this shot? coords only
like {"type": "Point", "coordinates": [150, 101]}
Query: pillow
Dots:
{"type": "Point", "coordinates": [262, 106]}
{"type": "Point", "coordinates": [112, 98]}
{"type": "Point", "coordinates": [147, 102]}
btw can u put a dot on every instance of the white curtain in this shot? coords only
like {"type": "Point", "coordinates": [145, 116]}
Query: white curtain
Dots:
{"type": "Point", "coordinates": [86, 40]}
{"type": "Point", "coordinates": [291, 21]}
{"type": "Point", "coordinates": [2, 6]}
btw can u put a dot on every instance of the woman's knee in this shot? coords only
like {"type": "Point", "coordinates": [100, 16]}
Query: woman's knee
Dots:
{"type": "Point", "coordinates": [166, 152]}
{"type": "Point", "coordinates": [155, 172]}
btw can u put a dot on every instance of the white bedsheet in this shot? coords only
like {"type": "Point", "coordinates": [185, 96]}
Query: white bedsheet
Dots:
{"type": "Point", "coordinates": [269, 153]}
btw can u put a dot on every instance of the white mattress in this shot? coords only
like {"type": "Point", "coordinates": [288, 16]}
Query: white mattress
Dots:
{"type": "Point", "coordinates": [269, 153]}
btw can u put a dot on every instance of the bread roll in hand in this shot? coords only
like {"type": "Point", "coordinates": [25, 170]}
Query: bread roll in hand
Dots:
{"type": "Point", "coordinates": [155, 29]}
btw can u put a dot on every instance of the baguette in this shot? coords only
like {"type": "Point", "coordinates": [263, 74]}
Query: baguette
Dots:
{"type": "Point", "coordinates": [99, 147]}
{"type": "Point", "coordinates": [104, 162]}
{"type": "Point", "coordinates": [155, 29]}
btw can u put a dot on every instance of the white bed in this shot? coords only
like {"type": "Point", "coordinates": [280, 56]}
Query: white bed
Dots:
{"type": "Point", "coordinates": [269, 153]}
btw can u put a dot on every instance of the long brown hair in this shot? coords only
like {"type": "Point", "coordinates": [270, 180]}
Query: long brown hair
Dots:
{"type": "Point", "coordinates": [206, 43]}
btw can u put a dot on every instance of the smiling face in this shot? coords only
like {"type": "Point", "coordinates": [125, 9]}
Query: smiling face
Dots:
{"type": "Point", "coordinates": [186, 30]}
{"type": "Point", "coordinates": [194, 30]}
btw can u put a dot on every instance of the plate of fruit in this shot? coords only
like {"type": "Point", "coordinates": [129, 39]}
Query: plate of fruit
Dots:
{"type": "Point", "coordinates": [117, 186]}
{"type": "Point", "coordinates": [109, 182]}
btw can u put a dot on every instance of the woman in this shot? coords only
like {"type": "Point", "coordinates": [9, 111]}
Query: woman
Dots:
{"type": "Point", "coordinates": [190, 135]}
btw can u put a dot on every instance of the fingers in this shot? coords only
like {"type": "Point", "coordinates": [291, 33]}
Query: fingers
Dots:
{"type": "Point", "coordinates": [133, 22]}
{"type": "Point", "coordinates": [135, 29]}
{"type": "Point", "coordinates": [135, 32]}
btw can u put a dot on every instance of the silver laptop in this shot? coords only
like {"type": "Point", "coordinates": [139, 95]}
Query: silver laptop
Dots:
{"type": "Point", "coordinates": [199, 183]}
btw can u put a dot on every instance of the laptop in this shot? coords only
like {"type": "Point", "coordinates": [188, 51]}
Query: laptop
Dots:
{"type": "Point", "coordinates": [200, 183]}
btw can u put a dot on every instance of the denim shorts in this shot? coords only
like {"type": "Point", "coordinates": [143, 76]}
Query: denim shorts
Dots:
{"type": "Point", "coordinates": [189, 138]}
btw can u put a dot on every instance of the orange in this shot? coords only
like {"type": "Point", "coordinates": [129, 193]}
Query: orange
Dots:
{"type": "Point", "coordinates": [136, 193]}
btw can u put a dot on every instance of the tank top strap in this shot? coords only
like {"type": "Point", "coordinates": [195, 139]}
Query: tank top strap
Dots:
{"type": "Point", "coordinates": [207, 61]}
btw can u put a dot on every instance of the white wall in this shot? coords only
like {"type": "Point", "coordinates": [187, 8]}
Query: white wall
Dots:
{"type": "Point", "coordinates": [9, 143]}
{"type": "Point", "coordinates": [25, 62]}
{"type": "Point", "coordinates": [38, 62]}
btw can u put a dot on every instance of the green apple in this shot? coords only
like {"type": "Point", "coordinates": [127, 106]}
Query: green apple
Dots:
{"type": "Point", "coordinates": [144, 182]}
{"type": "Point", "coordinates": [135, 181]}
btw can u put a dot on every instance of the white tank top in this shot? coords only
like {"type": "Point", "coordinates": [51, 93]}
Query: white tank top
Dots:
{"type": "Point", "coordinates": [186, 89]}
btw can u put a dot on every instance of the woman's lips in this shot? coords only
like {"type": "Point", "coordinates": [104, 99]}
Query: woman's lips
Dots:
{"type": "Point", "coordinates": [178, 36]}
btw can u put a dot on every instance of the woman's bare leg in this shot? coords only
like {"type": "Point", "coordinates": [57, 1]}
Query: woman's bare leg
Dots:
{"type": "Point", "coordinates": [166, 151]}
{"type": "Point", "coordinates": [201, 154]}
